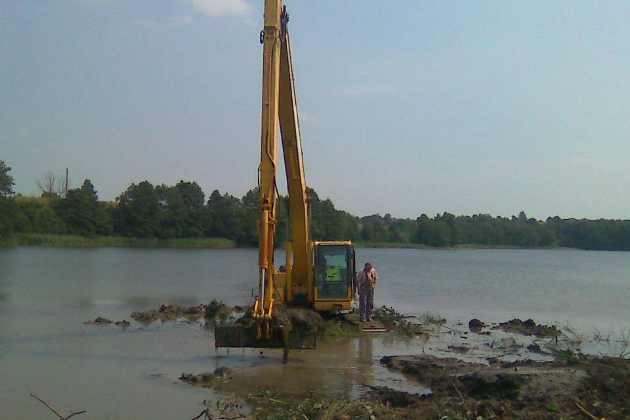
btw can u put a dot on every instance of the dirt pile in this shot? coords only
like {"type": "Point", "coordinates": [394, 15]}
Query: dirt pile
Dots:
{"type": "Point", "coordinates": [123, 324]}
{"type": "Point", "coordinates": [528, 327]}
{"type": "Point", "coordinates": [169, 313]}
{"type": "Point", "coordinates": [104, 321]}
{"type": "Point", "coordinates": [99, 321]}
{"type": "Point", "coordinates": [206, 380]}
{"type": "Point", "coordinates": [475, 325]}
{"type": "Point", "coordinates": [295, 319]}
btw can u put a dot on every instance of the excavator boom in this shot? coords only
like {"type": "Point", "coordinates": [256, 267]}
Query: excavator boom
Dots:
{"type": "Point", "coordinates": [300, 285]}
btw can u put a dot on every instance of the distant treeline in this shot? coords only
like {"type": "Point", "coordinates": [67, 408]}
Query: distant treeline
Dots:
{"type": "Point", "coordinates": [145, 211]}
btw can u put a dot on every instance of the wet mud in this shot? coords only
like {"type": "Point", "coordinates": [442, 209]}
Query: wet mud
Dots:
{"type": "Point", "coordinates": [510, 370]}
{"type": "Point", "coordinates": [569, 388]}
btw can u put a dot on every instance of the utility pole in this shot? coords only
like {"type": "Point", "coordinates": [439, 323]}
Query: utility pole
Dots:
{"type": "Point", "coordinates": [65, 188]}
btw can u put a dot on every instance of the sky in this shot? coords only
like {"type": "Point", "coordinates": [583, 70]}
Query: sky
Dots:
{"type": "Point", "coordinates": [406, 107]}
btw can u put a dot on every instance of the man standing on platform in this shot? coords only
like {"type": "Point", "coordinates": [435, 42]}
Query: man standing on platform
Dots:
{"type": "Point", "coordinates": [366, 280]}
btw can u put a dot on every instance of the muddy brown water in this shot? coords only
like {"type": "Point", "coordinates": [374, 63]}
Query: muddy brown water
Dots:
{"type": "Point", "coordinates": [46, 294]}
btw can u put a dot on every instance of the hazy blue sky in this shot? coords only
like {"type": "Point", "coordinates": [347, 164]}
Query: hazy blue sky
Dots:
{"type": "Point", "coordinates": [407, 107]}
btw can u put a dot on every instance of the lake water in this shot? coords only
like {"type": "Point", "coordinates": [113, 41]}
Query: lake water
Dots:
{"type": "Point", "coordinates": [47, 293]}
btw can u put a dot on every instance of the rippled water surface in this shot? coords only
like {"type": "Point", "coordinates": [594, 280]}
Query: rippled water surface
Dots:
{"type": "Point", "coordinates": [47, 293]}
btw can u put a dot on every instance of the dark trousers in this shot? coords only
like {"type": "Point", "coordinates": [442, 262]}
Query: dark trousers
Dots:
{"type": "Point", "coordinates": [366, 300]}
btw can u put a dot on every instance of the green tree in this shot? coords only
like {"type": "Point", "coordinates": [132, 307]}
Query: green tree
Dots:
{"type": "Point", "coordinates": [432, 233]}
{"type": "Point", "coordinates": [7, 216]}
{"type": "Point", "coordinates": [7, 207]}
{"type": "Point", "coordinates": [183, 210]}
{"type": "Point", "coordinates": [80, 210]}
{"type": "Point", "coordinates": [328, 223]}
{"type": "Point", "coordinates": [139, 213]}
{"type": "Point", "coordinates": [246, 230]}
{"type": "Point", "coordinates": [6, 180]}
{"type": "Point", "coordinates": [36, 215]}
{"type": "Point", "coordinates": [223, 215]}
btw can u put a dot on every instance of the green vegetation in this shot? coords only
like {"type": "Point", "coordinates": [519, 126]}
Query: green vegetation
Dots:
{"type": "Point", "coordinates": [340, 328]}
{"type": "Point", "coordinates": [394, 321]}
{"type": "Point", "coordinates": [181, 216]}
{"type": "Point", "coordinates": [274, 405]}
{"type": "Point", "coordinates": [36, 239]}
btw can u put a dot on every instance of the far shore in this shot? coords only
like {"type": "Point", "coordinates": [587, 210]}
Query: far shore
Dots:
{"type": "Point", "coordinates": [72, 241]}
{"type": "Point", "coordinates": [114, 241]}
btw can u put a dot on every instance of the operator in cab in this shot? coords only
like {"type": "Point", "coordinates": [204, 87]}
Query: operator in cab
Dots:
{"type": "Point", "coordinates": [333, 273]}
{"type": "Point", "coordinates": [366, 280]}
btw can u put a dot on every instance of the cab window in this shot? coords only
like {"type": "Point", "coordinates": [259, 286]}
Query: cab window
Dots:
{"type": "Point", "coordinates": [331, 271]}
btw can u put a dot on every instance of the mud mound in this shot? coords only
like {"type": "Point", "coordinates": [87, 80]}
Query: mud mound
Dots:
{"type": "Point", "coordinates": [429, 370]}
{"type": "Point", "coordinates": [519, 390]}
{"type": "Point", "coordinates": [169, 313]}
{"type": "Point", "coordinates": [475, 325]}
{"type": "Point", "coordinates": [104, 321]}
{"type": "Point", "coordinates": [303, 320]}
{"type": "Point", "coordinates": [123, 324]}
{"type": "Point", "coordinates": [528, 327]}
{"type": "Point", "coordinates": [217, 309]}
{"type": "Point", "coordinates": [485, 386]}
{"type": "Point", "coordinates": [206, 380]}
{"type": "Point", "coordinates": [202, 379]}
{"type": "Point", "coordinates": [390, 397]}
{"type": "Point", "coordinates": [99, 321]}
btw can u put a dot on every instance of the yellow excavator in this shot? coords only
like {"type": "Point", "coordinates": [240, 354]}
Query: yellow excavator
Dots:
{"type": "Point", "coordinates": [317, 275]}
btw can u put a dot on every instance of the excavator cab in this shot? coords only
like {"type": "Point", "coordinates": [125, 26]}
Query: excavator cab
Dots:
{"type": "Point", "coordinates": [334, 275]}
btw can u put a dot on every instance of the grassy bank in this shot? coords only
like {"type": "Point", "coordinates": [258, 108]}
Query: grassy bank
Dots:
{"type": "Point", "coordinates": [114, 241]}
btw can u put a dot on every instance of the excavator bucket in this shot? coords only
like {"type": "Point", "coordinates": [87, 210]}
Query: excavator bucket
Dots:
{"type": "Point", "coordinates": [241, 336]}
{"type": "Point", "coordinates": [290, 328]}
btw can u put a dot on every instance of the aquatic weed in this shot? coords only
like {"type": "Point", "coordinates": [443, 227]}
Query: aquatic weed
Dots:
{"type": "Point", "coordinates": [214, 308]}
{"type": "Point", "coordinates": [341, 328]}
{"type": "Point", "coordinates": [394, 320]}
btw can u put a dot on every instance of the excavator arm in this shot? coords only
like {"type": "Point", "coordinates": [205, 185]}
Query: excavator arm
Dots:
{"type": "Point", "coordinates": [270, 37]}
{"type": "Point", "coordinates": [279, 108]}
{"type": "Point", "coordinates": [301, 278]}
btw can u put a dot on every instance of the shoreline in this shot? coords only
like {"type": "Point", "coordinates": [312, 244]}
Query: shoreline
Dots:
{"type": "Point", "coordinates": [75, 241]}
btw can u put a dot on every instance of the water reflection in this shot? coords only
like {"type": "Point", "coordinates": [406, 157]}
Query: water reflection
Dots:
{"type": "Point", "coordinates": [365, 361]}
{"type": "Point", "coordinates": [346, 367]}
